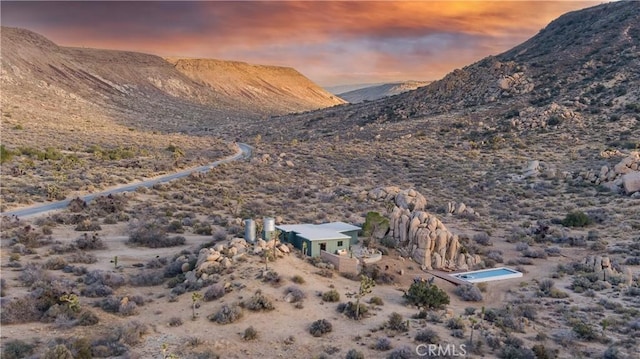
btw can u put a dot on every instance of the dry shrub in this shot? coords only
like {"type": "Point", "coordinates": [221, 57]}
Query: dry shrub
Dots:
{"type": "Point", "coordinates": [320, 327]}
{"type": "Point", "coordinates": [152, 234]}
{"type": "Point", "coordinates": [214, 292]}
{"type": "Point", "coordinates": [227, 314]}
{"type": "Point", "coordinates": [87, 242]}
{"type": "Point", "coordinates": [259, 302]}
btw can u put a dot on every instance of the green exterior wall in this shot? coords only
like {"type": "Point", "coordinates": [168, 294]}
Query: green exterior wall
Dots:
{"type": "Point", "coordinates": [313, 247]}
{"type": "Point", "coordinates": [332, 246]}
{"type": "Point", "coordinates": [353, 235]}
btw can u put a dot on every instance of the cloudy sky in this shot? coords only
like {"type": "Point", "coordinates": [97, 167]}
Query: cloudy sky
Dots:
{"type": "Point", "coordinates": [332, 43]}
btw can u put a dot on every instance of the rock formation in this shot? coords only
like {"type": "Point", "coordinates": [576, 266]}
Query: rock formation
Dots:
{"type": "Point", "coordinates": [623, 177]}
{"type": "Point", "coordinates": [552, 115]}
{"type": "Point", "coordinates": [406, 199]}
{"type": "Point", "coordinates": [421, 234]}
{"type": "Point", "coordinates": [460, 208]}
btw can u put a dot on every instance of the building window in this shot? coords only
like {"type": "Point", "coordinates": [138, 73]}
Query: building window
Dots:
{"type": "Point", "coordinates": [339, 243]}
{"type": "Point", "coordinates": [323, 246]}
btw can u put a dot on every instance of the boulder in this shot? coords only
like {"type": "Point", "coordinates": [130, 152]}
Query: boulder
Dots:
{"type": "Point", "coordinates": [213, 256]}
{"type": "Point", "coordinates": [185, 267]}
{"type": "Point", "coordinates": [190, 277]}
{"type": "Point", "coordinates": [226, 263]}
{"type": "Point", "coordinates": [208, 267]}
{"type": "Point", "coordinates": [284, 249]}
{"type": "Point", "coordinates": [631, 182]}
{"type": "Point", "coordinates": [411, 200]}
{"type": "Point", "coordinates": [202, 256]}
{"type": "Point", "coordinates": [460, 208]}
{"type": "Point", "coordinates": [238, 242]}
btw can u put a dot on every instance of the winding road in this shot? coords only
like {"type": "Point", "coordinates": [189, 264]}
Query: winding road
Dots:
{"type": "Point", "coordinates": [244, 151]}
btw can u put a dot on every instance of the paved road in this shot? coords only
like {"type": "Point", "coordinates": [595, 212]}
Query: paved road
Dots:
{"type": "Point", "coordinates": [244, 151]}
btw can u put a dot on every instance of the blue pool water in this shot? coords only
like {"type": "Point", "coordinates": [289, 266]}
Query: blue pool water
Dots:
{"type": "Point", "coordinates": [486, 275]}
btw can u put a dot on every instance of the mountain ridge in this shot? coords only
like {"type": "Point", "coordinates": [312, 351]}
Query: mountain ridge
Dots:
{"type": "Point", "coordinates": [558, 79]}
{"type": "Point", "coordinates": [275, 89]}
{"type": "Point", "coordinates": [114, 81]}
{"type": "Point", "coordinates": [376, 92]}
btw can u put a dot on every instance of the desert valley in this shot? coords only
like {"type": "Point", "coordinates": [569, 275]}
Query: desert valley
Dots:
{"type": "Point", "coordinates": [334, 226]}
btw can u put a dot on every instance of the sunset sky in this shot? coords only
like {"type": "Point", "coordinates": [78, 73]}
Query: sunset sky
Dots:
{"type": "Point", "coordinates": [333, 43]}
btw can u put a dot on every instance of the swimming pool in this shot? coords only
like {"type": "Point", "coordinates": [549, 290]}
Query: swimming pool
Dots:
{"type": "Point", "coordinates": [486, 275]}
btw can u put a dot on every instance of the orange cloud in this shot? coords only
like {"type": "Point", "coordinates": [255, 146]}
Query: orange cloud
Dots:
{"type": "Point", "coordinates": [385, 37]}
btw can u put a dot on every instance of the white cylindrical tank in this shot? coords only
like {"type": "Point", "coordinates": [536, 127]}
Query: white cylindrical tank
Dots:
{"type": "Point", "coordinates": [268, 228]}
{"type": "Point", "coordinates": [269, 224]}
{"type": "Point", "coordinates": [249, 230]}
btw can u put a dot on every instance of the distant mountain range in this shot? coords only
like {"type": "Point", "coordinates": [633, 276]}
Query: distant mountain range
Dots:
{"type": "Point", "coordinates": [380, 91]}
{"type": "Point", "coordinates": [161, 94]}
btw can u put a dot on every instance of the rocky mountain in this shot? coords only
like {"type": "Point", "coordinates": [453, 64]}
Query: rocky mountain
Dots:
{"type": "Point", "coordinates": [268, 89]}
{"type": "Point", "coordinates": [583, 63]}
{"type": "Point", "coordinates": [380, 91]}
{"type": "Point", "coordinates": [580, 60]}
{"type": "Point", "coordinates": [143, 90]}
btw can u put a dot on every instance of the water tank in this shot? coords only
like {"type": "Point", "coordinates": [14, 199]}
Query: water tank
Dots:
{"type": "Point", "coordinates": [249, 230]}
{"type": "Point", "coordinates": [269, 227]}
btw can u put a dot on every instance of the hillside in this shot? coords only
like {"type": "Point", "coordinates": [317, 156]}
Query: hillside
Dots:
{"type": "Point", "coordinates": [380, 91]}
{"type": "Point", "coordinates": [145, 90]}
{"type": "Point", "coordinates": [268, 89]}
{"type": "Point", "coordinates": [583, 63]}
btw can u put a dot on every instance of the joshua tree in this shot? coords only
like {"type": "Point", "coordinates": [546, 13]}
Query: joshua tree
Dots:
{"type": "Point", "coordinates": [366, 286]}
{"type": "Point", "coordinates": [195, 297]}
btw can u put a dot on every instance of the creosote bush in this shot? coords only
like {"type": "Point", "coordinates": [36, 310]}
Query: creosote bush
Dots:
{"type": "Point", "coordinates": [382, 344]}
{"type": "Point", "coordinates": [469, 293]}
{"type": "Point", "coordinates": [429, 336]}
{"type": "Point", "coordinates": [298, 279]}
{"type": "Point", "coordinates": [258, 302]}
{"type": "Point", "coordinates": [17, 349]}
{"type": "Point", "coordinates": [250, 333]}
{"type": "Point", "coordinates": [576, 219]}
{"type": "Point", "coordinates": [320, 327]}
{"type": "Point", "coordinates": [227, 314]}
{"type": "Point", "coordinates": [396, 322]}
{"type": "Point", "coordinates": [293, 294]}
{"type": "Point", "coordinates": [354, 354]}
{"type": "Point", "coordinates": [331, 296]}
{"type": "Point", "coordinates": [153, 235]}
{"type": "Point", "coordinates": [423, 294]}
{"type": "Point", "coordinates": [349, 309]}
{"type": "Point", "coordinates": [376, 301]}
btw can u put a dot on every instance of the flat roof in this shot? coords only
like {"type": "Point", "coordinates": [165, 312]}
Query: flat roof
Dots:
{"type": "Point", "coordinates": [318, 232]}
{"type": "Point", "coordinates": [340, 226]}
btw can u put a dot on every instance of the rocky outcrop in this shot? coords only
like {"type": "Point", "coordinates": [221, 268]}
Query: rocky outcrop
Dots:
{"type": "Point", "coordinates": [460, 208]}
{"type": "Point", "coordinates": [218, 258]}
{"type": "Point", "coordinates": [624, 177]}
{"type": "Point", "coordinates": [406, 199]}
{"type": "Point", "coordinates": [551, 116]}
{"type": "Point", "coordinates": [606, 271]}
{"type": "Point", "coordinates": [428, 241]}
{"type": "Point", "coordinates": [422, 235]}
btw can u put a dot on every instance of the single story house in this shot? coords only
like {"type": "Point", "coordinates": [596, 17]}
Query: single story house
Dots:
{"type": "Point", "coordinates": [333, 237]}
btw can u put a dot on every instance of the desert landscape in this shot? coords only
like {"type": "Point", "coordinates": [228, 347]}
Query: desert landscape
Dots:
{"type": "Point", "coordinates": [528, 159]}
